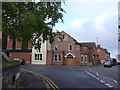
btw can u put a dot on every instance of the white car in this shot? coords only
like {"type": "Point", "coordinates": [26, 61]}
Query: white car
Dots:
{"type": "Point", "coordinates": [22, 61]}
{"type": "Point", "coordinates": [107, 64]}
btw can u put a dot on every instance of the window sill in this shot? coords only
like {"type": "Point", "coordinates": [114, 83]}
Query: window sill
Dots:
{"type": "Point", "coordinates": [57, 61]}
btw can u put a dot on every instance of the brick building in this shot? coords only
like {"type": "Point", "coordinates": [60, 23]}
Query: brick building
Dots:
{"type": "Point", "coordinates": [88, 53]}
{"type": "Point", "coordinates": [64, 52]}
{"type": "Point", "coordinates": [69, 52]}
{"type": "Point", "coordinates": [15, 49]}
{"type": "Point", "coordinates": [61, 52]}
{"type": "Point", "coordinates": [103, 54]}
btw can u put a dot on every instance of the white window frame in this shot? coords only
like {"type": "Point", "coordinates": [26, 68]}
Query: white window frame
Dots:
{"type": "Point", "coordinates": [69, 47]}
{"type": "Point", "coordinates": [65, 38]}
{"type": "Point", "coordinates": [38, 57]}
{"type": "Point", "coordinates": [18, 48]}
{"type": "Point", "coordinates": [59, 38]}
{"type": "Point", "coordinates": [84, 60]}
{"type": "Point", "coordinates": [29, 48]}
{"type": "Point", "coordinates": [78, 48]}
{"type": "Point", "coordinates": [55, 46]}
{"type": "Point", "coordinates": [58, 59]}
{"type": "Point", "coordinates": [9, 48]}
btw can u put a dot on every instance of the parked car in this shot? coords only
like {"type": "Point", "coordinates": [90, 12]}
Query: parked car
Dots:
{"type": "Point", "coordinates": [113, 61]}
{"type": "Point", "coordinates": [107, 64]}
{"type": "Point", "coordinates": [22, 61]}
{"type": "Point", "coordinates": [117, 62]}
{"type": "Point", "coordinates": [102, 61]}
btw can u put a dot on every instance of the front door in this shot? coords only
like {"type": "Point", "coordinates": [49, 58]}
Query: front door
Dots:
{"type": "Point", "coordinates": [70, 61]}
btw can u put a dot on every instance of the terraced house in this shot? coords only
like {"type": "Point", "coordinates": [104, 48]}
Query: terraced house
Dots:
{"type": "Point", "coordinates": [61, 52]}
{"type": "Point", "coordinates": [103, 54]}
{"type": "Point", "coordinates": [65, 52]}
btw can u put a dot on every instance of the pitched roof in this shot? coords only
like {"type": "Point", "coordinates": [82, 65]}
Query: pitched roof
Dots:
{"type": "Point", "coordinates": [70, 36]}
{"type": "Point", "coordinates": [88, 44]}
{"type": "Point", "coordinates": [105, 50]}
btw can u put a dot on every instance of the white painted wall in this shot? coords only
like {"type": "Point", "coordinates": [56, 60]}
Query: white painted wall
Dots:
{"type": "Point", "coordinates": [43, 51]}
{"type": "Point", "coordinates": [44, 47]}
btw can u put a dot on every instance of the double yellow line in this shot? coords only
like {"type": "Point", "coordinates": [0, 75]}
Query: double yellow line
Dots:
{"type": "Point", "coordinates": [50, 82]}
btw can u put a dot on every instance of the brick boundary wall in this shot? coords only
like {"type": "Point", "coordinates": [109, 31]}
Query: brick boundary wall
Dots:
{"type": "Point", "coordinates": [22, 55]}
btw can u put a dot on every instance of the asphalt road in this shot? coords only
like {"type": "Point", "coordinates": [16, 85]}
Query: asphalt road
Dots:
{"type": "Point", "coordinates": [108, 74]}
{"type": "Point", "coordinates": [72, 76]}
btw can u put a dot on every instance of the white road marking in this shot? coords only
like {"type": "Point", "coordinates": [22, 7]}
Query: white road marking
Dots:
{"type": "Point", "coordinates": [108, 85]}
{"type": "Point", "coordinates": [94, 76]}
{"type": "Point", "coordinates": [111, 79]}
{"type": "Point", "coordinates": [97, 74]}
{"type": "Point", "coordinates": [102, 81]}
{"type": "Point", "coordinates": [105, 77]}
{"type": "Point", "coordinates": [115, 81]}
{"type": "Point", "coordinates": [98, 78]}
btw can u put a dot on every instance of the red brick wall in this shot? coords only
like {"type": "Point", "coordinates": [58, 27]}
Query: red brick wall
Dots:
{"type": "Point", "coordinates": [49, 57]}
{"type": "Point", "coordinates": [63, 45]}
{"type": "Point", "coordinates": [102, 54]}
{"type": "Point", "coordinates": [91, 55]}
{"type": "Point", "coordinates": [22, 55]}
{"type": "Point", "coordinates": [18, 44]}
{"type": "Point", "coordinates": [63, 50]}
{"type": "Point", "coordinates": [29, 45]}
{"type": "Point", "coordinates": [85, 50]}
{"type": "Point", "coordinates": [9, 42]}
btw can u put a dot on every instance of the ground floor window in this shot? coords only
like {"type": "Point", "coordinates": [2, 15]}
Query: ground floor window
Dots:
{"type": "Point", "coordinates": [84, 58]}
{"type": "Point", "coordinates": [57, 58]}
{"type": "Point", "coordinates": [38, 56]}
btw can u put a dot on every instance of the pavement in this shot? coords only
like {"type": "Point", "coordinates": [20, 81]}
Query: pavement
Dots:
{"type": "Point", "coordinates": [29, 80]}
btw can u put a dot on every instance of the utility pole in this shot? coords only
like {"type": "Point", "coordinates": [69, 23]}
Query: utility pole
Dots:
{"type": "Point", "coordinates": [97, 40]}
{"type": "Point", "coordinates": [97, 48]}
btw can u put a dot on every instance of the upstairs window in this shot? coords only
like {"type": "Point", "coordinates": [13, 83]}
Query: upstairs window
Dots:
{"type": "Point", "coordinates": [55, 47]}
{"type": "Point", "coordinates": [70, 47]}
{"type": "Point", "coordinates": [59, 38]}
{"type": "Point", "coordinates": [65, 38]}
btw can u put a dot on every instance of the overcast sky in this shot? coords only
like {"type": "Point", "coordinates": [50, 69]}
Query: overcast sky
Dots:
{"type": "Point", "coordinates": [85, 21]}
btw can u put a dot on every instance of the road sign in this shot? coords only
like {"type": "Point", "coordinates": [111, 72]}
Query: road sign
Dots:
{"type": "Point", "coordinates": [107, 56]}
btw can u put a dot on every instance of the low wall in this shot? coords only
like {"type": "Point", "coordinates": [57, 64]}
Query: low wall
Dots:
{"type": "Point", "coordinates": [22, 55]}
{"type": "Point", "coordinates": [10, 76]}
{"type": "Point", "coordinates": [10, 73]}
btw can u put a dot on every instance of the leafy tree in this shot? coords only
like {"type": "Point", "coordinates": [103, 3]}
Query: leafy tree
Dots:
{"type": "Point", "coordinates": [27, 21]}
